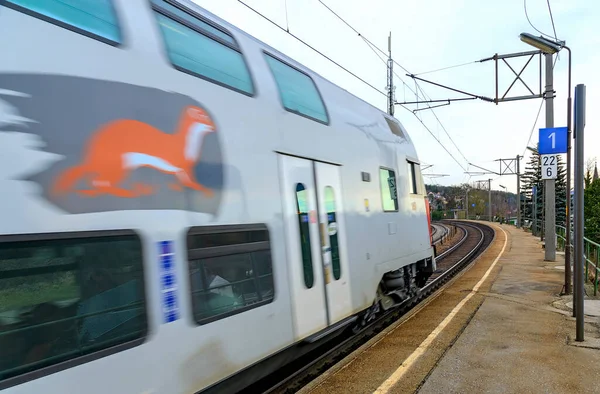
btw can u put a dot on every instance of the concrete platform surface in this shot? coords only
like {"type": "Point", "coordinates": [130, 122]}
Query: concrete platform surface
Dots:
{"type": "Point", "coordinates": [401, 357]}
{"type": "Point", "coordinates": [519, 341]}
{"type": "Point", "coordinates": [590, 307]}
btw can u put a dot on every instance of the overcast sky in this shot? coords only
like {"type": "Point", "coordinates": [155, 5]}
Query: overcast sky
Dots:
{"type": "Point", "coordinates": [432, 34]}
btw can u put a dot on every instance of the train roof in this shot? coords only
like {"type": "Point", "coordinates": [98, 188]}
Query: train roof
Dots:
{"type": "Point", "coordinates": [283, 56]}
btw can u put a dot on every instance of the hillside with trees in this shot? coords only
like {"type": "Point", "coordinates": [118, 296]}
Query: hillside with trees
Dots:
{"type": "Point", "coordinates": [449, 202]}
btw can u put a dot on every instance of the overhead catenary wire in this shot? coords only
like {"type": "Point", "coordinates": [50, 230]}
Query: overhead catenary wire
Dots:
{"type": "Point", "coordinates": [314, 49]}
{"type": "Point", "coordinates": [533, 127]}
{"type": "Point", "coordinates": [352, 28]}
{"type": "Point", "coordinates": [417, 87]}
{"type": "Point", "coordinates": [531, 24]}
{"type": "Point", "coordinates": [552, 19]}
{"type": "Point", "coordinates": [449, 67]}
{"type": "Point", "coordinates": [553, 27]}
{"type": "Point", "coordinates": [348, 71]}
{"type": "Point", "coordinates": [537, 117]}
{"type": "Point", "coordinates": [416, 93]}
{"type": "Point", "coordinates": [287, 21]}
{"type": "Point", "coordinates": [433, 135]}
{"type": "Point", "coordinates": [444, 128]}
{"type": "Point", "coordinates": [375, 49]}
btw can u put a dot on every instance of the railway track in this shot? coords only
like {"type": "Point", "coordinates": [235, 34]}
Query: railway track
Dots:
{"type": "Point", "coordinates": [438, 232]}
{"type": "Point", "coordinates": [297, 374]}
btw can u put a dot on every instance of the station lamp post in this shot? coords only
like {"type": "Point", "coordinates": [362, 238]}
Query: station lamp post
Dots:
{"type": "Point", "coordinates": [502, 200]}
{"type": "Point", "coordinates": [549, 48]}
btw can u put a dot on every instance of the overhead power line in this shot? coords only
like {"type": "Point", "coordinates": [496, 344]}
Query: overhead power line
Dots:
{"type": "Point", "coordinates": [537, 117]}
{"type": "Point", "coordinates": [533, 127]}
{"type": "Point", "coordinates": [416, 93]}
{"type": "Point", "coordinates": [287, 21]}
{"type": "Point", "coordinates": [433, 135]}
{"type": "Point", "coordinates": [528, 20]}
{"type": "Point", "coordinates": [449, 67]}
{"type": "Point", "coordinates": [314, 49]}
{"type": "Point", "coordinates": [374, 48]}
{"type": "Point", "coordinates": [444, 128]}
{"type": "Point", "coordinates": [552, 19]}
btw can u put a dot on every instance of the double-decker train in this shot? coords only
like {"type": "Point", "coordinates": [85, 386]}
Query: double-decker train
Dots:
{"type": "Point", "coordinates": [184, 208]}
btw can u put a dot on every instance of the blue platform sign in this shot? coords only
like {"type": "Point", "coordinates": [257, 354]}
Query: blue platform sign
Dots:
{"type": "Point", "coordinates": [553, 141]}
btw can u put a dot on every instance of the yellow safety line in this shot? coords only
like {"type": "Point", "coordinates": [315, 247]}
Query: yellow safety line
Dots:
{"type": "Point", "coordinates": [402, 369]}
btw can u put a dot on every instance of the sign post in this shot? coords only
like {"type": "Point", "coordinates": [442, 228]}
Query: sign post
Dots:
{"type": "Point", "coordinates": [579, 260]}
{"type": "Point", "coordinates": [534, 210]}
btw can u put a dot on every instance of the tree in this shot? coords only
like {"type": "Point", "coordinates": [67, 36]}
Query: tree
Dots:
{"type": "Point", "coordinates": [591, 210]}
{"type": "Point", "coordinates": [453, 198]}
{"type": "Point", "coordinates": [589, 171]}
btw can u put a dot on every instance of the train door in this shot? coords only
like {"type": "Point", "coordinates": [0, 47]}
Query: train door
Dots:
{"type": "Point", "coordinates": [333, 242]}
{"type": "Point", "coordinates": [318, 265]}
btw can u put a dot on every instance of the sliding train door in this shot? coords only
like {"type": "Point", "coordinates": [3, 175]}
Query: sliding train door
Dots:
{"type": "Point", "coordinates": [333, 241]}
{"type": "Point", "coordinates": [316, 252]}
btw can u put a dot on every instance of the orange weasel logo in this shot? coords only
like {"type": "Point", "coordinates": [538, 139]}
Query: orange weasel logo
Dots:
{"type": "Point", "coordinates": [124, 145]}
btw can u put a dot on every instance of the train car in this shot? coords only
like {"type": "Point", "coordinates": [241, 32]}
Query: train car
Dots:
{"type": "Point", "coordinates": [184, 208]}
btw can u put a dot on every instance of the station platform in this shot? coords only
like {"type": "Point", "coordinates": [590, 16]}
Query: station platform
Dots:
{"type": "Point", "coordinates": [500, 327]}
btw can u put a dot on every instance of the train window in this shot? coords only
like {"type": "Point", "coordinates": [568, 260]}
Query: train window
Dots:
{"type": "Point", "coordinates": [94, 18]}
{"type": "Point", "coordinates": [419, 180]}
{"type": "Point", "coordinates": [387, 181]}
{"type": "Point", "coordinates": [412, 177]}
{"type": "Point", "coordinates": [298, 92]}
{"type": "Point", "coordinates": [230, 270]}
{"type": "Point", "coordinates": [201, 49]}
{"type": "Point", "coordinates": [332, 229]}
{"type": "Point", "coordinates": [304, 226]}
{"type": "Point", "coordinates": [64, 296]}
{"type": "Point", "coordinates": [178, 11]}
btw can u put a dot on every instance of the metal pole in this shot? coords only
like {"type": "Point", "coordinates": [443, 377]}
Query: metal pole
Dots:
{"type": "Point", "coordinates": [535, 222]}
{"type": "Point", "coordinates": [549, 184]}
{"type": "Point", "coordinates": [543, 202]}
{"type": "Point", "coordinates": [390, 76]}
{"type": "Point", "coordinates": [467, 204]}
{"type": "Point", "coordinates": [490, 197]}
{"type": "Point", "coordinates": [518, 194]}
{"type": "Point", "coordinates": [496, 61]}
{"type": "Point", "coordinates": [568, 200]}
{"type": "Point", "coordinates": [578, 209]}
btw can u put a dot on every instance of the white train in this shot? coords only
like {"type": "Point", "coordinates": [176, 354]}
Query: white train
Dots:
{"type": "Point", "coordinates": [182, 207]}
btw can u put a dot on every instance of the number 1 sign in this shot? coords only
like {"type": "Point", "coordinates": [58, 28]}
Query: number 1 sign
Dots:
{"type": "Point", "coordinates": [549, 166]}
{"type": "Point", "coordinates": [553, 140]}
